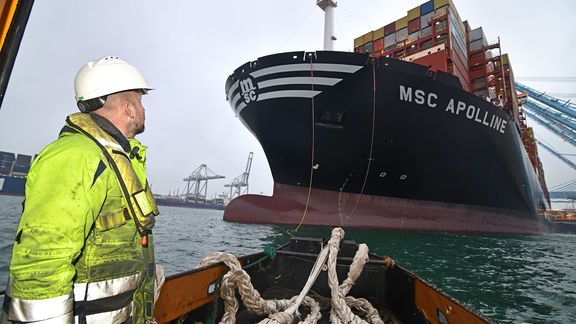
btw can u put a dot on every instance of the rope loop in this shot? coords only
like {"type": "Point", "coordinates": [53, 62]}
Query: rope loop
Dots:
{"type": "Point", "coordinates": [284, 311]}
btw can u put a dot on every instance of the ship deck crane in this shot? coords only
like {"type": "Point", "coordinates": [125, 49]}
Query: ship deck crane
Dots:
{"type": "Point", "coordinates": [241, 181]}
{"type": "Point", "coordinates": [197, 182]}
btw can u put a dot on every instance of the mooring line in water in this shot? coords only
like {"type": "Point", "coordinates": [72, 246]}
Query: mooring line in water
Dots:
{"type": "Point", "coordinates": [312, 152]}
{"type": "Point", "coordinates": [371, 157]}
{"type": "Point", "coordinates": [340, 201]}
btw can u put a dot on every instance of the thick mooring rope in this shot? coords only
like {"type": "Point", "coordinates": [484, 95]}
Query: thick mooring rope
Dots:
{"type": "Point", "coordinates": [284, 311]}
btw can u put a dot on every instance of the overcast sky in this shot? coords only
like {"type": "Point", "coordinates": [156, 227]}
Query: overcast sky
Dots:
{"type": "Point", "coordinates": [186, 49]}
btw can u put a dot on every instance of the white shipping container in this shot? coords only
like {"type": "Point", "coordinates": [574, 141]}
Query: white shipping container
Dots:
{"type": "Point", "coordinates": [426, 20]}
{"type": "Point", "coordinates": [401, 34]}
{"type": "Point", "coordinates": [476, 45]}
{"type": "Point", "coordinates": [476, 34]}
{"type": "Point", "coordinates": [389, 40]}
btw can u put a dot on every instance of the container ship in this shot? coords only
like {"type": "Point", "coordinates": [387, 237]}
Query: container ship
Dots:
{"type": "Point", "coordinates": [13, 171]}
{"type": "Point", "coordinates": [418, 129]}
{"type": "Point", "coordinates": [190, 202]}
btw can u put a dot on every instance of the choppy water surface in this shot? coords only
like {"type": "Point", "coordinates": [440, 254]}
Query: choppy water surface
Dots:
{"type": "Point", "coordinates": [509, 279]}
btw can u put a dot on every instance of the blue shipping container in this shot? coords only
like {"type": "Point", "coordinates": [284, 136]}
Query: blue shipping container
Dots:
{"type": "Point", "coordinates": [426, 7]}
{"type": "Point", "coordinates": [12, 185]}
{"type": "Point", "coordinates": [21, 168]}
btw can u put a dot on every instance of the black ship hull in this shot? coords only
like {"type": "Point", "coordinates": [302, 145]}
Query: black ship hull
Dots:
{"type": "Point", "coordinates": [358, 136]}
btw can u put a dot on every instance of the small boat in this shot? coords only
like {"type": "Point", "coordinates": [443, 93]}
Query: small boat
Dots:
{"type": "Point", "coordinates": [376, 290]}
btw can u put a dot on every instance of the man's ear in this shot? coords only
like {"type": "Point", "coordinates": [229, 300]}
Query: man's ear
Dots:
{"type": "Point", "coordinates": [130, 110]}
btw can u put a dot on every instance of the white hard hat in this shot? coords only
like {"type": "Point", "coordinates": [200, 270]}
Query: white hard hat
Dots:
{"type": "Point", "coordinates": [105, 76]}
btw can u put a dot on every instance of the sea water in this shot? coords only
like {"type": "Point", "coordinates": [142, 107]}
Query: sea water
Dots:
{"type": "Point", "coordinates": [506, 278]}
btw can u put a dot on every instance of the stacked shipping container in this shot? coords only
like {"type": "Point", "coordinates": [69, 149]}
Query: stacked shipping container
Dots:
{"type": "Point", "coordinates": [417, 38]}
{"type": "Point", "coordinates": [13, 171]}
{"type": "Point", "coordinates": [6, 162]}
{"type": "Point", "coordinates": [433, 35]}
{"type": "Point", "coordinates": [21, 165]}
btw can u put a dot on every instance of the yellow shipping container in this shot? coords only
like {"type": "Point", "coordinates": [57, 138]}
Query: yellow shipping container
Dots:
{"type": "Point", "coordinates": [368, 37]}
{"type": "Point", "coordinates": [505, 59]}
{"type": "Point", "coordinates": [414, 13]}
{"type": "Point", "coordinates": [401, 23]}
{"type": "Point", "coordinates": [379, 33]}
{"type": "Point", "coordinates": [358, 41]}
{"type": "Point", "coordinates": [440, 3]}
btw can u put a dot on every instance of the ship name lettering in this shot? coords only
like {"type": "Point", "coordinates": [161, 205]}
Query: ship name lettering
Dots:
{"type": "Point", "coordinates": [420, 97]}
{"type": "Point", "coordinates": [473, 113]}
{"type": "Point", "coordinates": [248, 90]}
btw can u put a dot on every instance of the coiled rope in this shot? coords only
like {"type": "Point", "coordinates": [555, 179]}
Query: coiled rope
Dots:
{"type": "Point", "coordinates": [284, 311]}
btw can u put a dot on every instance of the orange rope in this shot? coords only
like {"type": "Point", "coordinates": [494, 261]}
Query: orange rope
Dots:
{"type": "Point", "coordinates": [372, 139]}
{"type": "Point", "coordinates": [312, 152]}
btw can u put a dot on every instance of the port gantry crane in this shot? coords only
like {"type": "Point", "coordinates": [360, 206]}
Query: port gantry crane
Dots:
{"type": "Point", "coordinates": [241, 181]}
{"type": "Point", "coordinates": [557, 116]}
{"type": "Point", "coordinates": [197, 182]}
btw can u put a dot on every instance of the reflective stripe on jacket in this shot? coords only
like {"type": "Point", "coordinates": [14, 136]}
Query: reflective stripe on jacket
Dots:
{"type": "Point", "coordinates": [77, 249]}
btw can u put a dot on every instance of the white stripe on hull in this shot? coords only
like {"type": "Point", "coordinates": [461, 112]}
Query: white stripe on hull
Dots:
{"type": "Point", "coordinates": [288, 93]}
{"type": "Point", "coordinates": [298, 80]}
{"type": "Point", "coordinates": [323, 67]}
{"type": "Point", "coordinates": [304, 80]}
{"type": "Point", "coordinates": [282, 94]}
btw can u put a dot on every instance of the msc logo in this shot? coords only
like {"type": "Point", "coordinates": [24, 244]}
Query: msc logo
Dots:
{"type": "Point", "coordinates": [248, 90]}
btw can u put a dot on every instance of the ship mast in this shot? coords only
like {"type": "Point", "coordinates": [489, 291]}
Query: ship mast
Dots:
{"type": "Point", "coordinates": [328, 7]}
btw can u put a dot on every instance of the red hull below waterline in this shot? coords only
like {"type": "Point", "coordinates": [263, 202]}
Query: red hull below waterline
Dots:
{"type": "Point", "coordinates": [329, 208]}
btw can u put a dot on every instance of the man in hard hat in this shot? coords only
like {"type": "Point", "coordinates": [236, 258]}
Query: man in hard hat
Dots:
{"type": "Point", "coordinates": [83, 250]}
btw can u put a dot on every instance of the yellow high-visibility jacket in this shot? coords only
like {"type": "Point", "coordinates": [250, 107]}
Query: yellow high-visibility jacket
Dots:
{"type": "Point", "coordinates": [78, 250]}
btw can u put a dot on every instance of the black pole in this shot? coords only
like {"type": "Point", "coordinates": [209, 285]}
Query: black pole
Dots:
{"type": "Point", "coordinates": [12, 43]}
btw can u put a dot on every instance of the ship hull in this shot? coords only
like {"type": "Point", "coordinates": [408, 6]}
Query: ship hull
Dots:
{"type": "Point", "coordinates": [288, 206]}
{"type": "Point", "coordinates": [408, 148]}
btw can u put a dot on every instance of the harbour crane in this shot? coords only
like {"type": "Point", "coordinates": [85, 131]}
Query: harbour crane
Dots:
{"type": "Point", "coordinates": [197, 182]}
{"type": "Point", "coordinates": [241, 181]}
{"type": "Point", "coordinates": [557, 116]}
{"type": "Point", "coordinates": [565, 107]}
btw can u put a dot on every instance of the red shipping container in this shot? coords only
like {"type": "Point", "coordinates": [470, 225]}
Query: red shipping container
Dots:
{"type": "Point", "coordinates": [414, 25]}
{"type": "Point", "coordinates": [477, 72]}
{"type": "Point", "coordinates": [434, 61]}
{"type": "Point", "coordinates": [390, 28]}
{"type": "Point", "coordinates": [378, 45]}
